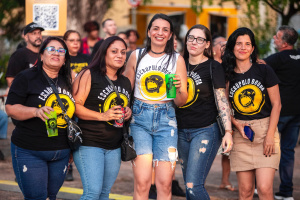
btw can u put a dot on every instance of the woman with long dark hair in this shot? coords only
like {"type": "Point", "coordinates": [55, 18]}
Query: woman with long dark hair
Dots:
{"type": "Point", "coordinates": [199, 136]}
{"type": "Point", "coordinates": [39, 161]}
{"type": "Point", "coordinates": [153, 125]}
{"type": "Point", "coordinates": [98, 160]}
{"type": "Point", "coordinates": [254, 96]}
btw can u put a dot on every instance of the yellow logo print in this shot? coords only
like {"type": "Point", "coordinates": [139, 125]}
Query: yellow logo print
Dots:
{"type": "Point", "coordinates": [248, 100]}
{"type": "Point", "coordinates": [153, 86]}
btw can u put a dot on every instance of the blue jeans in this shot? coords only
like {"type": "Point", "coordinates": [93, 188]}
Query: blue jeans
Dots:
{"type": "Point", "coordinates": [197, 149]}
{"type": "Point", "coordinates": [3, 124]}
{"type": "Point", "coordinates": [40, 174]}
{"type": "Point", "coordinates": [288, 127]}
{"type": "Point", "coordinates": [154, 130]}
{"type": "Point", "coordinates": [98, 169]}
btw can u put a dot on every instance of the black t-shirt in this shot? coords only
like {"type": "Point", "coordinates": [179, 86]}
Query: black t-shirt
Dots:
{"type": "Point", "coordinates": [95, 48]}
{"type": "Point", "coordinates": [248, 93]}
{"type": "Point", "coordinates": [21, 59]}
{"type": "Point", "coordinates": [30, 88]}
{"type": "Point", "coordinates": [79, 62]}
{"type": "Point", "coordinates": [200, 109]}
{"type": "Point", "coordinates": [286, 65]}
{"type": "Point", "coordinates": [101, 98]}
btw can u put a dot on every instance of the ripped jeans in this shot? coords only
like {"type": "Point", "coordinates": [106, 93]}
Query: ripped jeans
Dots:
{"type": "Point", "coordinates": [40, 174]}
{"type": "Point", "coordinates": [197, 149]}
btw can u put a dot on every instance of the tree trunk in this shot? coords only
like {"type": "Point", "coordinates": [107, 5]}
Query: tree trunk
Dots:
{"type": "Point", "coordinates": [79, 12]}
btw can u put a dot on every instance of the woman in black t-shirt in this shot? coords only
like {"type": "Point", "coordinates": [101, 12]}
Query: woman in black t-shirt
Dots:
{"type": "Point", "coordinates": [40, 161]}
{"type": "Point", "coordinates": [254, 96]}
{"type": "Point", "coordinates": [199, 137]}
{"type": "Point", "coordinates": [98, 160]}
{"type": "Point", "coordinates": [79, 61]}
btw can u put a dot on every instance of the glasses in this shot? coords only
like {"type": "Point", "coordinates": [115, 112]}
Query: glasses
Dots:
{"type": "Point", "coordinates": [222, 49]}
{"type": "Point", "coordinates": [52, 50]}
{"type": "Point", "coordinates": [199, 40]}
{"type": "Point", "coordinates": [72, 41]}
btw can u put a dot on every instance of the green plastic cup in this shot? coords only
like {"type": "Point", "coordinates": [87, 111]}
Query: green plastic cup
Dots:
{"type": "Point", "coordinates": [51, 124]}
{"type": "Point", "coordinates": [171, 89]}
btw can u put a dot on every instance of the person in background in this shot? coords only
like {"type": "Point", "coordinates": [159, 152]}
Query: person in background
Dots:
{"type": "Point", "coordinates": [78, 60]}
{"type": "Point", "coordinates": [98, 159]}
{"type": "Point", "coordinates": [124, 37]}
{"type": "Point", "coordinates": [286, 66]}
{"type": "Point", "coordinates": [23, 42]}
{"type": "Point", "coordinates": [219, 44]}
{"type": "Point", "coordinates": [132, 36]}
{"type": "Point", "coordinates": [88, 43]}
{"type": "Point", "coordinates": [109, 28]}
{"type": "Point", "coordinates": [3, 129]}
{"type": "Point", "coordinates": [155, 139]}
{"type": "Point", "coordinates": [25, 57]}
{"type": "Point", "coordinates": [254, 96]}
{"type": "Point", "coordinates": [199, 137]}
{"type": "Point", "coordinates": [40, 162]}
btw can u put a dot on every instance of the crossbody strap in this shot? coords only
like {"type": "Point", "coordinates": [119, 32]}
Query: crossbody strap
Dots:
{"type": "Point", "coordinates": [55, 92]}
{"type": "Point", "coordinates": [115, 89]}
{"type": "Point", "coordinates": [212, 82]}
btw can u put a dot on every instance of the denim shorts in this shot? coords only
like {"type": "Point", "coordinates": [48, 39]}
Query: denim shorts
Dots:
{"type": "Point", "coordinates": [154, 130]}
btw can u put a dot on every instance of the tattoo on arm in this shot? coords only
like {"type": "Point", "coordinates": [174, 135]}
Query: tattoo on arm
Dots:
{"type": "Point", "coordinates": [223, 107]}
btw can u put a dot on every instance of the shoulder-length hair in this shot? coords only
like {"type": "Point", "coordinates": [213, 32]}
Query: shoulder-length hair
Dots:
{"type": "Point", "coordinates": [68, 33]}
{"type": "Point", "coordinates": [229, 59]}
{"type": "Point", "coordinates": [207, 52]}
{"type": "Point", "coordinates": [98, 63]}
{"type": "Point", "coordinates": [169, 48]}
{"type": "Point", "coordinates": [65, 70]}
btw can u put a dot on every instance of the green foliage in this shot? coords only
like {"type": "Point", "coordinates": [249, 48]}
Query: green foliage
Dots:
{"type": "Point", "coordinates": [11, 19]}
{"type": "Point", "coordinates": [3, 63]}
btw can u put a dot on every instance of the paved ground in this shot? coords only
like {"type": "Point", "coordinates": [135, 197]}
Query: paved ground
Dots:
{"type": "Point", "coordinates": [124, 182]}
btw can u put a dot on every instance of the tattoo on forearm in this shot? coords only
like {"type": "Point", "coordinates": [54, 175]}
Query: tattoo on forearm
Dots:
{"type": "Point", "coordinates": [223, 107]}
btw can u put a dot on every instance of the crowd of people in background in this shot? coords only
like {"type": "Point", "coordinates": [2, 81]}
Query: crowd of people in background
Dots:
{"type": "Point", "coordinates": [214, 78]}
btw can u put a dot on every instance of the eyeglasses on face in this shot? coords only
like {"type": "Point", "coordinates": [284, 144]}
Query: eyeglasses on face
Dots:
{"type": "Point", "coordinates": [73, 40]}
{"type": "Point", "coordinates": [199, 40]}
{"type": "Point", "coordinates": [52, 50]}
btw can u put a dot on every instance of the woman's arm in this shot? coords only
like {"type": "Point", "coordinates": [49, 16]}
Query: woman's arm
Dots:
{"type": "Point", "coordinates": [130, 68]}
{"type": "Point", "coordinates": [274, 96]}
{"type": "Point", "coordinates": [224, 112]}
{"type": "Point", "coordinates": [81, 90]}
{"type": "Point", "coordinates": [181, 83]}
{"type": "Point", "coordinates": [21, 112]}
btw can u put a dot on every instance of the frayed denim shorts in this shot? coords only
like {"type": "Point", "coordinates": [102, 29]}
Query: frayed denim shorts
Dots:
{"type": "Point", "coordinates": [154, 130]}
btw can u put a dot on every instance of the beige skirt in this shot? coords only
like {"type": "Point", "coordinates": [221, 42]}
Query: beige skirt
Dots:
{"type": "Point", "coordinates": [246, 155]}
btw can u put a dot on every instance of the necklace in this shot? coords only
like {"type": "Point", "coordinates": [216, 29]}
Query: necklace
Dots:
{"type": "Point", "coordinates": [240, 71]}
{"type": "Point", "coordinates": [157, 52]}
{"type": "Point", "coordinates": [189, 72]}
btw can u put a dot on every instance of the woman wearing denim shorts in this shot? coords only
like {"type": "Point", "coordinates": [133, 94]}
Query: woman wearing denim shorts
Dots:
{"type": "Point", "coordinates": [199, 137]}
{"type": "Point", "coordinates": [153, 125]}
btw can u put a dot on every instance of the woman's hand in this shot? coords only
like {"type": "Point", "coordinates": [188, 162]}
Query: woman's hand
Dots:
{"type": "Point", "coordinates": [128, 113]}
{"type": "Point", "coordinates": [177, 82]}
{"type": "Point", "coordinates": [269, 145]}
{"type": "Point", "coordinates": [40, 112]}
{"type": "Point", "coordinates": [227, 142]}
{"type": "Point", "coordinates": [240, 128]}
{"type": "Point", "coordinates": [115, 113]}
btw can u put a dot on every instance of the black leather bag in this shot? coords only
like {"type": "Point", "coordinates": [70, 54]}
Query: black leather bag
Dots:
{"type": "Point", "coordinates": [219, 119]}
{"type": "Point", "coordinates": [74, 133]}
{"type": "Point", "coordinates": [127, 151]}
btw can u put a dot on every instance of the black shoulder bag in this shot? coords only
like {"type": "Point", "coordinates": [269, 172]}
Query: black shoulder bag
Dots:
{"type": "Point", "coordinates": [73, 131]}
{"type": "Point", "coordinates": [127, 151]}
{"type": "Point", "coordinates": [219, 119]}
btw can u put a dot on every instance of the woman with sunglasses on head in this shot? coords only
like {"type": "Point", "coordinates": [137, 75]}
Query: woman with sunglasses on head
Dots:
{"type": "Point", "coordinates": [98, 106]}
{"type": "Point", "coordinates": [40, 162]}
{"type": "Point", "coordinates": [254, 96]}
{"type": "Point", "coordinates": [78, 60]}
{"type": "Point", "coordinates": [199, 136]}
{"type": "Point", "coordinates": [153, 125]}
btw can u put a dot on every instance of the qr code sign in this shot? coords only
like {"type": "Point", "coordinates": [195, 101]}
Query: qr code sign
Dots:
{"type": "Point", "coordinates": [46, 15]}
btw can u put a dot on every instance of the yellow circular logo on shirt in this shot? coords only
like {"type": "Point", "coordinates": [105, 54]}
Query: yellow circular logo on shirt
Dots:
{"type": "Point", "coordinates": [111, 101]}
{"type": "Point", "coordinates": [153, 86]}
{"type": "Point", "coordinates": [248, 100]}
{"type": "Point", "coordinates": [69, 105]}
